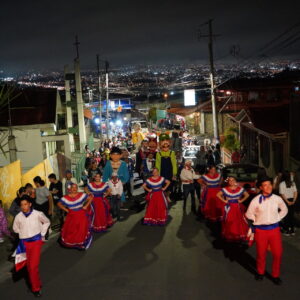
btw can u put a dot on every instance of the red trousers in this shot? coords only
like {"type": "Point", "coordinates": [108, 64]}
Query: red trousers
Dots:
{"type": "Point", "coordinates": [33, 254]}
{"type": "Point", "coordinates": [265, 238]}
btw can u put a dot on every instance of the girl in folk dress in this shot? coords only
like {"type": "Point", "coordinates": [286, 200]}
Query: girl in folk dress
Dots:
{"type": "Point", "coordinates": [157, 208]}
{"type": "Point", "coordinates": [76, 231]}
{"type": "Point", "coordinates": [234, 226]}
{"type": "Point", "coordinates": [102, 218]}
{"type": "Point", "coordinates": [212, 208]}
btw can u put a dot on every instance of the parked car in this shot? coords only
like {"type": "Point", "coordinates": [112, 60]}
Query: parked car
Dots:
{"type": "Point", "coordinates": [189, 153]}
{"type": "Point", "coordinates": [246, 176]}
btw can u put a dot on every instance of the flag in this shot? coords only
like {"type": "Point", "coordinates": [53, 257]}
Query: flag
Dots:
{"type": "Point", "coordinates": [20, 256]}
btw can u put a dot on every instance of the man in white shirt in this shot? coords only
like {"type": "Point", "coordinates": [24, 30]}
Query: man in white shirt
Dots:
{"type": "Point", "coordinates": [31, 225]}
{"type": "Point", "coordinates": [288, 192]}
{"type": "Point", "coordinates": [116, 190]}
{"type": "Point", "coordinates": [187, 177]}
{"type": "Point", "coordinates": [265, 212]}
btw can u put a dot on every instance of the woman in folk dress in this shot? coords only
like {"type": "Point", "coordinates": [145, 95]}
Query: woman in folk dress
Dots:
{"type": "Point", "coordinates": [101, 217]}
{"type": "Point", "coordinates": [211, 207]}
{"type": "Point", "coordinates": [76, 231]}
{"type": "Point", "coordinates": [157, 207]}
{"type": "Point", "coordinates": [234, 225]}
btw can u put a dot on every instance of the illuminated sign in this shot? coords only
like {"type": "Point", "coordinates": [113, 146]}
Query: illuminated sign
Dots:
{"type": "Point", "coordinates": [189, 97]}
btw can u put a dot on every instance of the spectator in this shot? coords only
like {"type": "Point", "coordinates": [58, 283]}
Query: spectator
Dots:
{"type": "Point", "coordinates": [288, 192]}
{"type": "Point", "coordinates": [15, 205]}
{"type": "Point", "coordinates": [55, 188]}
{"type": "Point", "coordinates": [210, 161]}
{"type": "Point", "coordinates": [94, 170]}
{"type": "Point", "coordinates": [217, 154]}
{"type": "Point", "coordinates": [84, 178]}
{"type": "Point", "coordinates": [200, 162]}
{"type": "Point", "coordinates": [68, 181]}
{"type": "Point", "coordinates": [44, 200]}
{"type": "Point", "coordinates": [3, 224]}
{"type": "Point", "coordinates": [235, 157]}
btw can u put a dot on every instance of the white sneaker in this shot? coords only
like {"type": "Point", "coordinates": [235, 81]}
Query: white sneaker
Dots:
{"type": "Point", "coordinates": [1, 240]}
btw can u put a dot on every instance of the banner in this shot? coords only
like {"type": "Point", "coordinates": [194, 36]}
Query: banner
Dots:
{"type": "Point", "coordinates": [10, 182]}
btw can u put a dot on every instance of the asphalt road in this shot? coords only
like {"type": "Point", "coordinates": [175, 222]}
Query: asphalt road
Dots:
{"type": "Point", "coordinates": [183, 260]}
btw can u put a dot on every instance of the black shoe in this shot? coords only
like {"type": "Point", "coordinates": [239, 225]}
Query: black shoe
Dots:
{"type": "Point", "coordinates": [277, 280]}
{"type": "Point", "coordinates": [259, 277]}
{"type": "Point", "coordinates": [37, 294]}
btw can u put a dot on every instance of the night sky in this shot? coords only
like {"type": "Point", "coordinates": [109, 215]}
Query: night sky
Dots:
{"type": "Point", "coordinates": [40, 34]}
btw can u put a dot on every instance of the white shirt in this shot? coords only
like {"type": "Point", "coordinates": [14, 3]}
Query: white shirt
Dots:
{"type": "Point", "coordinates": [188, 175]}
{"type": "Point", "coordinates": [32, 225]}
{"type": "Point", "coordinates": [270, 211]}
{"type": "Point", "coordinates": [116, 188]}
{"type": "Point", "coordinates": [287, 192]}
{"type": "Point", "coordinates": [150, 163]}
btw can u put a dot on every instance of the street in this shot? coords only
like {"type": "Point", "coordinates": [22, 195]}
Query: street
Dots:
{"type": "Point", "coordinates": [180, 261]}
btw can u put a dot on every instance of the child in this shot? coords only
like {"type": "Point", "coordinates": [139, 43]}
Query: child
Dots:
{"type": "Point", "coordinates": [3, 224]}
{"type": "Point", "coordinates": [147, 166]}
{"type": "Point", "coordinates": [32, 226]}
{"type": "Point", "coordinates": [116, 190]}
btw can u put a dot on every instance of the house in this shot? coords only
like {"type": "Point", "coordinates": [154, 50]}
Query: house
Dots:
{"type": "Point", "coordinates": [33, 118]}
{"type": "Point", "coordinates": [266, 111]}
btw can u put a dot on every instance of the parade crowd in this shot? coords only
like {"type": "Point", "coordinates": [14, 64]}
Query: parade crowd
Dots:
{"type": "Point", "coordinates": [96, 203]}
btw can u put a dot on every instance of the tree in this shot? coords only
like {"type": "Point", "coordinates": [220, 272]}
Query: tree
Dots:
{"type": "Point", "coordinates": [231, 141]}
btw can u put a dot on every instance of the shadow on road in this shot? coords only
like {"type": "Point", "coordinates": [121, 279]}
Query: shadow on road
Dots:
{"type": "Point", "coordinates": [138, 253]}
{"type": "Point", "coordinates": [233, 251]}
{"type": "Point", "coordinates": [188, 230]}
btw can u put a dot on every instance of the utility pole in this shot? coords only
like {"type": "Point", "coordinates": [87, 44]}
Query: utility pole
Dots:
{"type": "Point", "coordinates": [100, 96]}
{"type": "Point", "coordinates": [11, 138]}
{"type": "Point", "coordinates": [107, 98]}
{"type": "Point", "coordinates": [212, 78]}
{"type": "Point", "coordinates": [79, 99]}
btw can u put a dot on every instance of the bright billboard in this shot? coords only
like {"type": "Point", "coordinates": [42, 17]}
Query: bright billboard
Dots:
{"type": "Point", "coordinates": [189, 97]}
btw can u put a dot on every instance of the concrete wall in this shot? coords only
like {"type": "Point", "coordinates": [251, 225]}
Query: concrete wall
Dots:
{"type": "Point", "coordinates": [223, 122]}
{"type": "Point", "coordinates": [29, 148]}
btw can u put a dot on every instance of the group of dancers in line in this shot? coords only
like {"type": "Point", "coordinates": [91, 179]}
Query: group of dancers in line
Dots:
{"type": "Point", "coordinates": [98, 207]}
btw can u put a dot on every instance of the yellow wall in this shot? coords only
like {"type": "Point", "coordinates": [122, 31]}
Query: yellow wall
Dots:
{"type": "Point", "coordinates": [10, 182]}
{"type": "Point", "coordinates": [43, 169]}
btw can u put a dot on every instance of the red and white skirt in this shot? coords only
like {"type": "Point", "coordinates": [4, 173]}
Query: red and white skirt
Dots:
{"type": "Point", "coordinates": [212, 207]}
{"type": "Point", "coordinates": [76, 231]}
{"type": "Point", "coordinates": [157, 209]}
{"type": "Point", "coordinates": [101, 218]}
{"type": "Point", "coordinates": [234, 225]}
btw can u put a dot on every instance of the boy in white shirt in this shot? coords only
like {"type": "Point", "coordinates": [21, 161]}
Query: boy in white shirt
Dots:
{"type": "Point", "coordinates": [265, 212]}
{"type": "Point", "coordinates": [32, 226]}
{"type": "Point", "coordinates": [116, 190]}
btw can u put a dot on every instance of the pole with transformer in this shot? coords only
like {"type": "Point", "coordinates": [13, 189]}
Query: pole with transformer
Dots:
{"type": "Point", "coordinates": [100, 96]}
{"type": "Point", "coordinates": [107, 98]}
{"type": "Point", "coordinates": [212, 78]}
